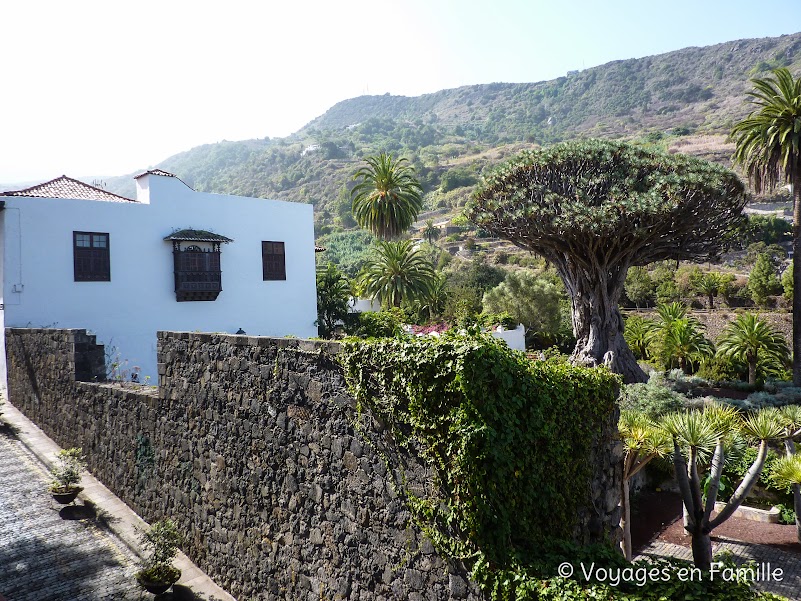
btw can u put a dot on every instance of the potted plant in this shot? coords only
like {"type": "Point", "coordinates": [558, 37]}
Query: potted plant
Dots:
{"type": "Point", "coordinates": [67, 475]}
{"type": "Point", "coordinates": [161, 543]}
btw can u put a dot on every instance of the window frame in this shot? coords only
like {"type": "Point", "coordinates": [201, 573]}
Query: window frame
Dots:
{"type": "Point", "coordinates": [270, 259]}
{"type": "Point", "coordinates": [198, 272]}
{"type": "Point", "coordinates": [89, 253]}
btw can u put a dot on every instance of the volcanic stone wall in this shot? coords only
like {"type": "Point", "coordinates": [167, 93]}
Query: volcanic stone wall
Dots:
{"type": "Point", "coordinates": [281, 489]}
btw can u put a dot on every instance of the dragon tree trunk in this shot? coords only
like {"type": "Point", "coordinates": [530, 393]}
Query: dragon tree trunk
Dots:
{"type": "Point", "coordinates": [597, 322]}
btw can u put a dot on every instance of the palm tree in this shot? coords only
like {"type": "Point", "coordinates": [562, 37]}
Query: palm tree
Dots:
{"type": "Point", "coordinates": [669, 312]}
{"type": "Point", "coordinates": [387, 197]}
{"type": "Point", "coordinates": [643, 440]}
{"type": "Point", "coordinates": [333, 294]}
{"type": "Point", "coordinates": [683, 341]}
{"type": "Point", "coordinates": [708, 284]}
{"type": "Point", "coordinates": [768, 146]}
{"type": "Point", "coordinates": [430, 232]}
{"type": "Point", "coordinates": [750, 339]}
{"type": "Point", "coordinates": [640, 335]}
{"type": "Point", "coordinates": [697, 435]}
{"type": "Point", "coordinates": [397, 272]}
{"type": "Point", "coordinates": [433, 301]}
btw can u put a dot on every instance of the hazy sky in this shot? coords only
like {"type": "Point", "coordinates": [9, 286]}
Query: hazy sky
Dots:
{"type": "Point", "coordinates": [107, 87]}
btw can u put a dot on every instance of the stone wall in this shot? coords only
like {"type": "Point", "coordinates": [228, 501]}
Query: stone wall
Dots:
{"type": "Point", "coordinates": [252, 446]}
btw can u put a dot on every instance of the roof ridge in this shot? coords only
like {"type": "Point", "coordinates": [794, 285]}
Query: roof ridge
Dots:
{"type": "Point", "coordinates": [62, 178]}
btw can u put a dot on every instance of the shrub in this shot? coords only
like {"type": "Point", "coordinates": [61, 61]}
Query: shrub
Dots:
{"type": "Point", "coordinates": [683, 383]}
{"type": "Point", "coordinates": [380, 324]}
{"type": "Point", "coordinates": [653, 398]}
{"type": "Point", "coordinates": [67, 470]}
{"type": "Point", "coordinates": [161, 542]}
{"type": "Point", "coordinates": [786, 514]}
{"type": "Point", "coordinates": [720, 368]}
{"type": "Point", "coordinates": [763, 281]}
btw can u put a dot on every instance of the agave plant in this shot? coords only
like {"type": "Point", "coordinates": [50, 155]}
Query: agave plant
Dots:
{"type": "Point", "coordinates": [697, 435]}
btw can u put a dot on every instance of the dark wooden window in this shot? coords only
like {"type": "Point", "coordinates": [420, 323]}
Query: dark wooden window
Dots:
{"type": "Point", "coordinates": [90, 253]}
{"type": "Point", "coordinates": [273, 260]}
{"type": "Point", "coordinates": [197, 273]}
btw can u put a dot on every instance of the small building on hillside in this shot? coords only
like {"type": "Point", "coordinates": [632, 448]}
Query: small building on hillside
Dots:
{"type": "Point", "coordinates": [77, 256]}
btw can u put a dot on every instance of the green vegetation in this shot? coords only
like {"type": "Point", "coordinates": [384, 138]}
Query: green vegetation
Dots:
{"type": "Point", "coordinates": [387, 197]}
{"type": "Point", "coordinates": [333, 295]}
{"type": "Point", "coordinates": [763, 280]}
{"type": "Point", "coordinates": [643, 441]}
{"type": "Point", "coordinates": [161, 542]}
{"type": "Point", "coordinates": [595, 208]}
{"type": "Point", "coordinates": [530, 298]}
{"type": "Point", "coordinates": [653, 399]}
{"type": "Point", "coordinates": [768, 146]}
{"type": "Point", "coordinates": [397, 272]}
{"type": "Point", "coordinates": [750, 339]}
{"type": "Point", "coordinates": [705, 433]}
{"type": "Point", "coordinates": [639, 287]}
{"type": "Point", "coordinates": [661, 101]}
{"type": "Point", "coordinates": [769, 229]}
{"type": "Point", "coordinates": [67, 470]}
{"type": "Point", "coordinates": [709, 284]}
{"type": "Point", "coordinates": [482, 416]}
{"type": "Point", "coordinates": [347, 250]}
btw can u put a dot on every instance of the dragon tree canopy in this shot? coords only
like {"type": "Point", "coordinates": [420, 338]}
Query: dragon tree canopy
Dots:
{"type": "Point", "coordinates": [593, 209]}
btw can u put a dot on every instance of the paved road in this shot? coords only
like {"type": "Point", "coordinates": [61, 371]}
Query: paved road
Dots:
{"type": "Point", "coordinates": [48, 553]}
{"type": "Point", "coordinates": [790, 563]}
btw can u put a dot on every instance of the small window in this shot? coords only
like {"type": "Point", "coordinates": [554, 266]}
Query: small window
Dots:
{"type": "Point", "coordinates": [91, 257]}
{"type": "Point", "coordinates": [273, 260]}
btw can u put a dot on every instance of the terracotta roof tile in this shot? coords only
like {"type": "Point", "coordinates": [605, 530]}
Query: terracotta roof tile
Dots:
{"type": "Point", "coordinates": [66, 187]}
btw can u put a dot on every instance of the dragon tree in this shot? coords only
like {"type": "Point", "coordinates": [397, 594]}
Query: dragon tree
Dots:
{"type": "Point", "coordinates": [595, 208]}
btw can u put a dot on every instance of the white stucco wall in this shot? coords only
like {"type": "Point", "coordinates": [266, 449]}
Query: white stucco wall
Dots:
{"type": "Point", "coordinates": [126, 312]}
{"type": "Point", "coordinates": [363, 305]}
{"type": "Point", "coordinates": [516, 339]}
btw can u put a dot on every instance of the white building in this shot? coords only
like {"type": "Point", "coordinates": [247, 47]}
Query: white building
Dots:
{"type": "Point", "coordinates": [76, 256]}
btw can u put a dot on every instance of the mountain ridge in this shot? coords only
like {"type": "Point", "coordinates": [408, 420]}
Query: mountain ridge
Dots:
{"type": "Point", "coordinates": [685, 100]}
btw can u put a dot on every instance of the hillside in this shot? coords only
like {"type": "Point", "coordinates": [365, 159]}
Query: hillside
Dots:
{"type": "Point", "coordinates": [685, 100]}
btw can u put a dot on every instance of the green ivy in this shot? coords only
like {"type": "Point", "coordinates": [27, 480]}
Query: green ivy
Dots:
{"type": "Point", "coordinates": [510, 439]}
{"type": "Point", "coordinates": [510, 443]}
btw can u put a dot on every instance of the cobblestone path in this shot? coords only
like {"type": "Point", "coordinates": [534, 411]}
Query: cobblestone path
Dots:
{"type": "Point", "coordinates": [790, 563]}
{"type": "Point", "coordinates": [45, 555]}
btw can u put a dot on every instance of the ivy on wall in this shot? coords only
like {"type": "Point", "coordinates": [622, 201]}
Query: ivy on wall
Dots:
{"type": "Point", "coordinates": [509, 439]}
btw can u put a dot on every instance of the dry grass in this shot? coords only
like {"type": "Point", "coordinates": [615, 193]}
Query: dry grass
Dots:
{"type": "Point", "coordinates": [702, 145]}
